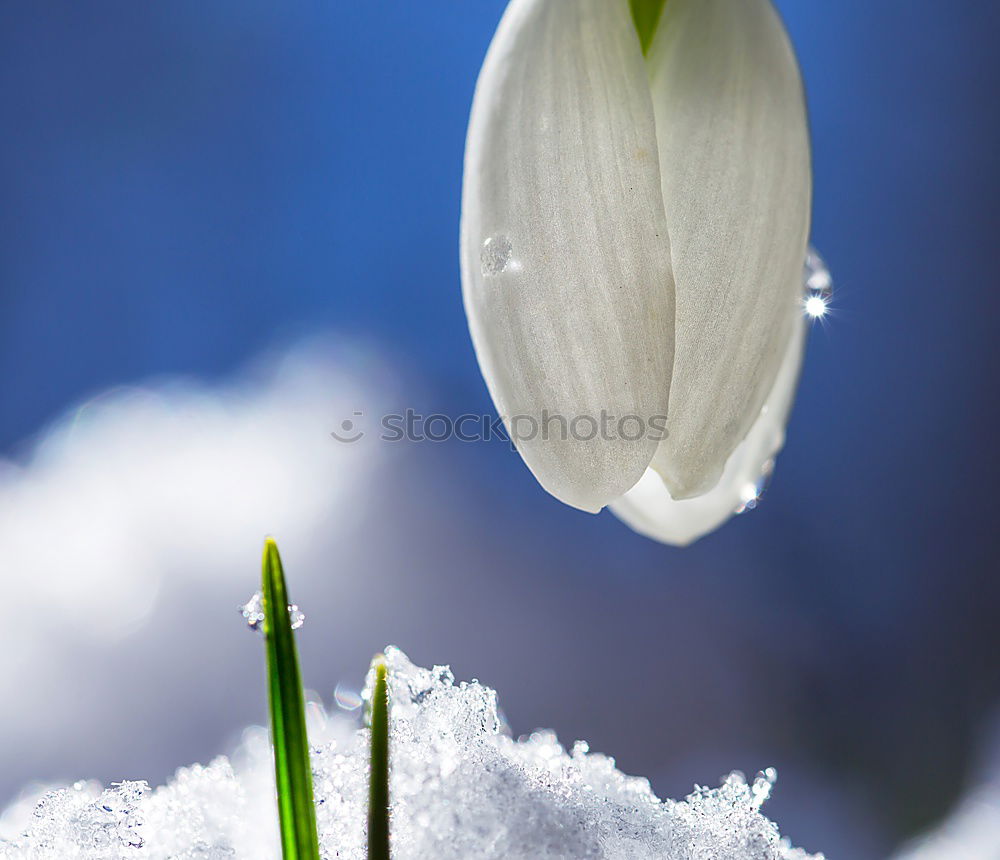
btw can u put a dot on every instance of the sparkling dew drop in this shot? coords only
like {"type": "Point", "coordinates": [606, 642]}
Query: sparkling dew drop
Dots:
{"type": "Point", "coordinates": [817, 285]}
{"type": "Point", "coordinates": [817, 288]}
{"type": "Point", "coordinates": [253, 613]}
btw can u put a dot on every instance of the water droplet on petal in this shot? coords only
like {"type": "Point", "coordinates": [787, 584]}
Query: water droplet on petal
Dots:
{"type": "Point", "coordinates": [496, 254]}
{"type": "Point", "coordinates": [817, 285]}
{"type": "Point", "coordinates": [816, 307]}
{"type": "Point", "coordinates": [751, 492]}
{"type": "Point", "coordinates": [816, 275]}
{"type": "Point", "coordinates": [253, 613]}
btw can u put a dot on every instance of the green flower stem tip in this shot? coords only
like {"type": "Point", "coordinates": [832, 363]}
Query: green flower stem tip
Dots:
{"type": "Point", "coordinates": [378, 786]}
{"type": "Point", "coordinates": [292, 771]}
{"type": "Point", "coordinates": [646, 14]}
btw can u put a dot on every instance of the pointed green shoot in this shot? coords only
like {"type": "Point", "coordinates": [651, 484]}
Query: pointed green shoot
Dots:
{"type": "Point", "coordinates": [292, 771]}
{"type": "Point", "coordinates": [646, 14]}
{"type": "Point", "coordinates": [378, 785]}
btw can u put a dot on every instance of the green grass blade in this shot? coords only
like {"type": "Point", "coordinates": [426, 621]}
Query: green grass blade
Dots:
{"type": "Point", "coordinates": [378, 780]}
{"type": "Point", "coordinates": [646, 14]}
{"type": "Point", "coordinates": [292, 771]}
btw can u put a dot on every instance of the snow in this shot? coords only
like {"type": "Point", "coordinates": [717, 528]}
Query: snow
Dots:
{"type": "Point", "coordinates": [462, 787]}
{"type": "Point", "coordinates": [972, 830]}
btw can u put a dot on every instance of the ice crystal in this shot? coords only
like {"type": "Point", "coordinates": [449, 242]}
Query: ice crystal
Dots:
{"type": "Point", "coordinates": [461, 788]}
{"type": "Point", "coordinates": [253, 613]}
{"type": "Point", "coordinates": [83, 821]}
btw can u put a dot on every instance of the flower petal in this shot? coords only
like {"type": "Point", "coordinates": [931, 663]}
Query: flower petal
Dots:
{"type": "Point", "coordinates": [734, 157]}
{"type": "Point", "coordinates": [565, 257]}
{"type": "Point", "coordinates": [648, 507]}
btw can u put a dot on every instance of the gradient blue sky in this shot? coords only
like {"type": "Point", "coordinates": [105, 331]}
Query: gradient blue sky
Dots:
{"type": "Point", "coordinates": [186, 184]}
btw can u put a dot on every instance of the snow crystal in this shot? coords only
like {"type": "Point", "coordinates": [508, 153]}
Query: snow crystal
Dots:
{"type": "Point", "coordinates": [461, 788]}
{"type": "Point", "coordinates": [253, 613]}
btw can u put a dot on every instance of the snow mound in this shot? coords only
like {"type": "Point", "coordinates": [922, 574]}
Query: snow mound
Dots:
{"type": "Point", "coordinates": [461, 788]}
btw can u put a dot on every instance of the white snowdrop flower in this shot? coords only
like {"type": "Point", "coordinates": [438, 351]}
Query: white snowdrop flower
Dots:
{"type": "Point", "coordinates": [634, 225]}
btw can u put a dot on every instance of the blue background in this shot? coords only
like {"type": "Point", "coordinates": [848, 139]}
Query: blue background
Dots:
{"type": "Point", "coordinates": [185, 184]}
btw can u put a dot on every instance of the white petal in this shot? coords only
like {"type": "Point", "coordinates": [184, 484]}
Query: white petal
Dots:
{"type": "Point", "coordinates": [648, 507]}
{"type": "Point", "coordinates": [734, 156]}
{"type": "Point", "coordinates": [565, 258]}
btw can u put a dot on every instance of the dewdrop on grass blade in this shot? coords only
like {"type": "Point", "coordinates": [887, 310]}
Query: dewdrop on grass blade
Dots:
{"type": "Point", "coordinates": [253, 613]}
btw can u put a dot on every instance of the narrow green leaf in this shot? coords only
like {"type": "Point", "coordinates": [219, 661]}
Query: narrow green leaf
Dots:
{"type": "Point", "coordinates": [292, 771]}
{"type": "Point", "coordinates": [378, 784]}
{"type": "Point", "coordinates": [646, 14]}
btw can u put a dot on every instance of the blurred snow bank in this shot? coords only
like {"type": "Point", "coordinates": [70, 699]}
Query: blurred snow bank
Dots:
{"type": "Point", "coordinates": [179, 471]}
{"type": "Point", "coordinates": [972, 831]}
{"type": "Point", "coordinates": [154, 501]}
{"type": "Point", "coordinates": [461, 788]}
